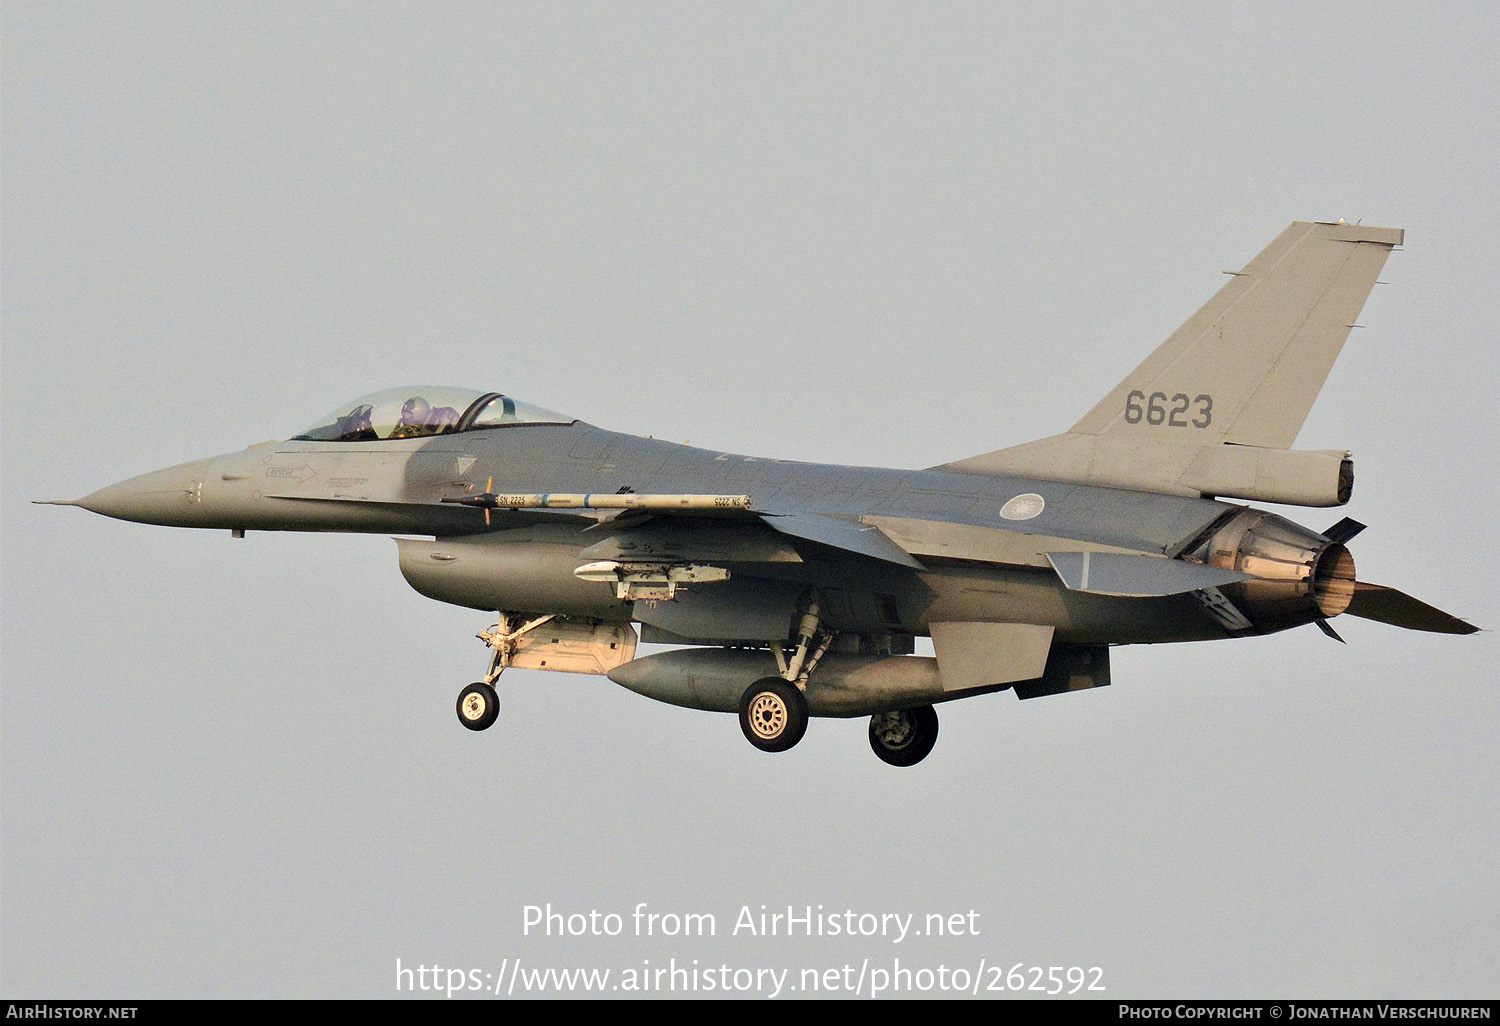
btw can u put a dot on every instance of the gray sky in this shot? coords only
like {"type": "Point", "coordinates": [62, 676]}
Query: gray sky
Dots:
{"type": "Point", "coordinates": [877, 234]}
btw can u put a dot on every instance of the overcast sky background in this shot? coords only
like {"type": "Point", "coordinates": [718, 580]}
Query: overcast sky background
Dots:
{"type": "Point", "coordinates": [876, 234]}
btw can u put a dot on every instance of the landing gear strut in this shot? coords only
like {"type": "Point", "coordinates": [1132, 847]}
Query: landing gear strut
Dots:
{"type": "Point", "coordinates": [773, 710]}
{"type": "Point", "coordinates": [478, 704]}
{"type": "Point", "coordinates": [904, 737]}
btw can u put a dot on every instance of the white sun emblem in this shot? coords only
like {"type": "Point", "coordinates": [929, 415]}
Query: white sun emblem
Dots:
{"type": "Point", "coordinates": [1023, 507]}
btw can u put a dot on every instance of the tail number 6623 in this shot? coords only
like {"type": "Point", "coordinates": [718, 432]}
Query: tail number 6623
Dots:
{"type": "Point", "coordinates": [1173, 411]}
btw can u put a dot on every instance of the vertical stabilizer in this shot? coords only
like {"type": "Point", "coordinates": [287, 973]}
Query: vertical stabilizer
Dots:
{"type": "Point", "coordinates": [1215, 409]}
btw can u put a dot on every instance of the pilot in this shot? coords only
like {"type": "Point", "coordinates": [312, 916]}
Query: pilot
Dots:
{"type": "Point", "coordinates": [419, 417]}
{"type": "Point", "coordinates": [414, 414]}
{"type": "Point", "coordinates": [443, 418]}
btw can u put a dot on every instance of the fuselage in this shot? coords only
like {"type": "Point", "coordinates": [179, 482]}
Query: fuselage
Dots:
{"type": "Point", "coordinates": [983, 560]}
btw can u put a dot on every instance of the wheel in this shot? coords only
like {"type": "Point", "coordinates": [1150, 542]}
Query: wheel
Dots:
{"type": "Point", "coordinates": [773, 714]}
{"type": "Point", "coordinates": [904, 737]}
{"type": "Point", "coordinates": [478, 706]}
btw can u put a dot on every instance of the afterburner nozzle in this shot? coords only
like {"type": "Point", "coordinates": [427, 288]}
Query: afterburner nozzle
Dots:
{"type": "Point", "coordinates": [1300, 576]}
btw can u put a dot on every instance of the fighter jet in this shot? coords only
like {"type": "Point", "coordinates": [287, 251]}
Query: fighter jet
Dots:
{"type": "Point", "coordinates": [793, 590]}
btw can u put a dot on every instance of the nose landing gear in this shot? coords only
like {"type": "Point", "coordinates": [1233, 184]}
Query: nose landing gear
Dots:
{"type": "Point", "coordinates": [478, 706]}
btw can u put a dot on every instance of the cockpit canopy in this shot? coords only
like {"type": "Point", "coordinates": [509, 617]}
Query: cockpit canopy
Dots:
{"type": "Point", "coordinates": [418, 411]}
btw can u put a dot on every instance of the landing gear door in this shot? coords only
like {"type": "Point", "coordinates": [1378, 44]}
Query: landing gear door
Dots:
{"type": "Point", "coordinates": [570, 647]}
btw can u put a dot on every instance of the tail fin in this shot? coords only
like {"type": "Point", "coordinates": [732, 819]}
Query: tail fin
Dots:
{"type": "Point", "coordinates": [1215, 409]}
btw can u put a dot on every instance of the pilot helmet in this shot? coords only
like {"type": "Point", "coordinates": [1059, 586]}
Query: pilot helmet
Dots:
{"type": "Point", "coordinates": [415, 410]}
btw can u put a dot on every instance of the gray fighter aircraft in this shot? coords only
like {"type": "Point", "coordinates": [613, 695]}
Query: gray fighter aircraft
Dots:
{"type": "Point", "coordinates": [796, 589]}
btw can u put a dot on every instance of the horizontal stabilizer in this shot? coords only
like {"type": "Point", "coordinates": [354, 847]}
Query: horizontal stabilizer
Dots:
{"type": "Point", "coordinates": [849, 535]}
{"type": "Point", "coordinates": [1377, 602]}
{"type": "Point", "coordinates": [1115, 573]}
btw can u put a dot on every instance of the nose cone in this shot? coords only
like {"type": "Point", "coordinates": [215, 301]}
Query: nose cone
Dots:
{"type": "Point", "coordinates": [171, 497]}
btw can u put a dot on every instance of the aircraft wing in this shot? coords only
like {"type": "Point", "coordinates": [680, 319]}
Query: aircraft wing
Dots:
{"type": "Point", "coordinates": [837, 532]}
{"type": "Point", "coordinates": [840, 533]}
{"type": "Point", "coordinates": [642, 526]}
{"type": "Point", "coordinates": [652, 536]}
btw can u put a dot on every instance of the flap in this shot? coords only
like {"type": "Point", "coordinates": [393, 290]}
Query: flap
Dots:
{"type": "Point", "coordinates": [940, 538]}
{"type": "Point", "coordinates": [1111, 573]}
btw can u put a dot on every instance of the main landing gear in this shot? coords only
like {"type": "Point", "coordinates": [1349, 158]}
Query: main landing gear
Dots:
{"type": "Point", "coordinates": [478, 704]}
{"type": "Point", "coordinates": [773, 714]}
{"type": "Point", "coordinates": [904, 737]}
{"type": "Point", "coordinates": [773, 710]}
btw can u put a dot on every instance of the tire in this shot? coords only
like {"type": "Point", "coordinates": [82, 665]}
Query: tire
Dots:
{"type": "Point", "coordinates": [773, 714]}
{"type": "Point", "coordinates": [904, 737]}
{"type": "Point", "coordinates": [478, 706]}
